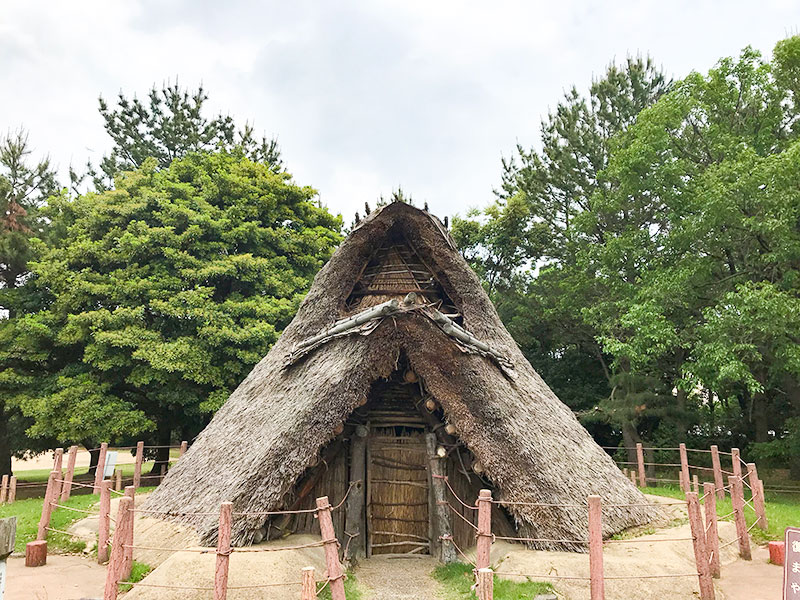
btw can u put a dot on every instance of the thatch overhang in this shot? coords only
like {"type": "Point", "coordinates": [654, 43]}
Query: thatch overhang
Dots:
{"type": "Point", "coordinates": [272, 428]}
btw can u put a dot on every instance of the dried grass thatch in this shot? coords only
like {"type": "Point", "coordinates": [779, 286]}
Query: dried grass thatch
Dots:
{"type": "Point", "coordinates": [273, 426]}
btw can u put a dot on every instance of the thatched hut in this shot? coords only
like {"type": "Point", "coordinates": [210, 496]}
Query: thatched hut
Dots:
{"type": "Point", "coordinates": [397, 364]}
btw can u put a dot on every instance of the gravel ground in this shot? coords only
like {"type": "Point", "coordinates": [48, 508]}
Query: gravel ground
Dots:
{"type": "Point", "coordinates": [398, 578]}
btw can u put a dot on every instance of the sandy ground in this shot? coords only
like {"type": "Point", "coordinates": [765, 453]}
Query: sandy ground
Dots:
{"type": "Point", "coordinates": [398, 578]}
{"type": "Point", "coordinates": [62, 578]}
{"type": "Point", "coordinates": [45, 461]}
{"type": "Point", "coordinates": [754, 580]}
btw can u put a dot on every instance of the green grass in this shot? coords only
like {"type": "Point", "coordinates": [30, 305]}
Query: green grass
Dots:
{"type": "Point", "coordinates": [457, 580]}
{"type": "Point", "coordinates": [138, 572]}
{"type": "Point", "coordinates": [783, 510]}
{"type": "Point", "coordinates": [28, 513]}
{"type": "Point", "coordinates": [351, 589]}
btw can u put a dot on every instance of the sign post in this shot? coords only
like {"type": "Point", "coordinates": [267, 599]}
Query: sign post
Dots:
{"type": "Point", "coordinates": [8, 534]}
{"type": "Point", "coordinates": [791, 564]}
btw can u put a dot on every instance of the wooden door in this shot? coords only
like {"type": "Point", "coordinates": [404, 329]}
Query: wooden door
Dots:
{"type": "Point", "coordinates": [397, 492]}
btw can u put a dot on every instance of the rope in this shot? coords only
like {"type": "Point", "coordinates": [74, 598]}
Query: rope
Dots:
{"type": "Point", "coordinates": [79, 510]}
{"type": "Point", "coordinates": [75, 535]}
{"type": "Point", "coordinates": [280, 549]}
{"type": "Point", "coordinates": [450, 539]}
{"type": "Point", "coordinates": [173, 514]}
{"type": "Point", "coordinates": [455, 512]}
{"type": "Point", "coordinates": [346, 494]}
{"type": "Point", "coordinates": [274, 512]}
{"type": "Point", "coordinates": [530, 576]}
{"type": "Point", "coordinates": [167, 587]}
{"type": "Point", "coordinates": [639, 540]}
{"type": "Point", "coordinates": [540, 504]}
{"type": "Point", "coordinates": [452, 491]}
{"type": "Point", "coordinates": [545, 540]}
{"type": "Point", "coordinates": [159, 549]}
{"type": "Point", "coordinates": [753, 525]}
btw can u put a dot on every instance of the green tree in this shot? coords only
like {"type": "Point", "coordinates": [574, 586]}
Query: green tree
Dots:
{"type": "Point", "coordinates": [168, 125]}
{"type": "Point", "coordinates": [162, 294]}
{"type": "Point", "coordinates": [24, 186]}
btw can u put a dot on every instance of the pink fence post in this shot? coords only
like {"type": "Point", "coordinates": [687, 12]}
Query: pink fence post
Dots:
{"type": "Point", "coordinates": [115, 564]}
{"type": "Point", "coordinates": [640, 461]}
{"type": "Point", "coordinates": [736, 462]}
{"type": "Point", "coordinates": [101, 465]}
{"type": "Point", "coordinates": [137, 470]}
{"type": "Point", "coordinates": [4, 489]}
{"type": "Point", "coordinates": [104, 523]}
{"type": "Point", "coordinates": [118, 479]}
{"type": "Point", "coordinates": [130, 492]}
{"type": "Point", "coordinates": [66, 488]}
{"type": "Point", "coordinates": [12, 489]}
{"type": "Point", "coordinates": [695, 484]}
{"type": "Point", "coordinates": [719, 482]}
{"type": "Point", "coordinates": [184, 446]}
{"type": "Point", "coordinates": [223, 551]}
{"type": "Point", "coordinates": [484, 544]}
{"type": "Point", "coordinates": [737, 499]}
{"type": "Point", "coordinates": [685, 477]}
{"type": "Point", "coordinates": [47, 506]}
{"type": "Point", "coordinates": [58, 461]}
{"type": "Point", "coordinates": [756, 487]}
{"type": "Point", "coordinates": [308, 586]}
{"type": "Point", "coordinates": [335, 574]}
{"type": "Point", "coordinates": [485, 584]}
{"type": "Point", "coordinates": [597, 582]}
{"type": "Point", "coordinates": [699, 543]}
{"type": "Point", "coordinates": [634, 481]}
{"type": "Point", "coordinates": [712, 532]}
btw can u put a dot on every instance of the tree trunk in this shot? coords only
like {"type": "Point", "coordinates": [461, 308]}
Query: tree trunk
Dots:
{"type": "Point", "coordinates": [5, 446]}
{"type": "Point", "coordinates": [94, 455]}
{"type": "Point", "coordinates": [630, 437]}
{"type": "Point", "coordinates": [163, 439]}
{"type": "Point", "coordinates": [760, 420]}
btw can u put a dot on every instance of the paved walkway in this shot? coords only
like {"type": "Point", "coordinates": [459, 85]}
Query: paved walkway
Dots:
{"type": "Point", "coordinates": [398, 578]}
{"type": "Point", "coordinates": [62, 578]}
{"type": "Point", "coordinates": [753, 580]}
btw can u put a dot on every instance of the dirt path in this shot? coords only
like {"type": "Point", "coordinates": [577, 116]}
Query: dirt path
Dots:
{"type": "Point", "coordinates": [753, 580]}
{"type": "Point", "coordinates": [62, 578]}
{"type": "Point", "coordinates": [398, 578]}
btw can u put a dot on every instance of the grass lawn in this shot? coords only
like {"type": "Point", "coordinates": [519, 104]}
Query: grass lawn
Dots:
{"type": "Point", "coordinates": [783, 510]}
{"type": "Point", "coordinates": [29, 511]}
{"type": "Point", "coordinates": [457, 580]}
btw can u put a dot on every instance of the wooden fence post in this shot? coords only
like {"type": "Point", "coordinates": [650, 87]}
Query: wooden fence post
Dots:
{"type": "Point", "coordinates": [719, 482]}
{"type": "Point", "coordinates": [685, 477]}
{"type": "Point", "coordinates": [335, 575]}
{"type": "Point", "coordinates": [66, 488]}
{"type": "Point", "coordinates": [101, 466]}
{"type": "Point", "coordinates": [712, 531]}
{"type": "Point", "coordinates": [118, 479]}
{"type": "Point", "coordinates": [130, 492]}
{"type": "Point", "coordinates": [58, 461]}
{"type": "Point", "coordinates": [699, 543]}
{"type": "Point", "coordinates": [47, 506]}
{"type": "Point", "coordinates": [757, 495]}
{"type": "Point", "coordinates": [184, 446]}
{"type": "Point", "coordinates": [442, 530]}
{"type": "Point", "coordinates": [162, 473]}
{"type": "Point", "coordinates": [104, 526]}
{"type": "Point", "coordinates": [640, 461]}
{"type": "Point", "coordinates": [695, 484]}
{"type": "Point", "coordinates": [737, 499]}
{"type": "Point", "coordinates": [485, 584]}
{"type": "Point", "coordinates": [137, 469]}
{"type": "Point", "coordinates": [4, 489]}
{"type": "Point", "coordinates": [308, 589]}
{"type": "Point", "coordinates": [223, 551]}
{"type": "Point", "coordinates": [114, 571]}
{"type": "Point", "coordinates": [12, 489]}
{"type": "Point", "coordinates": [598, 588]}
{"type": "Point", "coordinates": [484, 544]}
{"type": "Point", "coordinates": [736, 462]}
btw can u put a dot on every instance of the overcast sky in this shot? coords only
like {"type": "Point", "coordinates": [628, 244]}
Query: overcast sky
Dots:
{"type": "Point", "coordinates": [362, 96]}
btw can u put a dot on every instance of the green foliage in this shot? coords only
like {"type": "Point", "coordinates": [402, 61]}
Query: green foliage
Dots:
{"type": "Point", "coordinates": [138, 572]}
{"type": "Point", "coordinates": [28, 513]}
{"type": "Point", "coordinates": [159, 297]}
{"type": "Point", "coordinates": [351, 589]}
{"type": "Point", "coordinates": [458, 579]}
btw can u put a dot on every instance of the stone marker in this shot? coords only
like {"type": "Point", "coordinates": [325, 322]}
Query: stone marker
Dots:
{"type": "Point", "coordinates": [8, 535]}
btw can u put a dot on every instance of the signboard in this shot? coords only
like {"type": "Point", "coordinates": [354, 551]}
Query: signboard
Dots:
{"type": "Point", "coordinates": [791, 564]}
{"type": "Point", "coordinates": [111, 463]}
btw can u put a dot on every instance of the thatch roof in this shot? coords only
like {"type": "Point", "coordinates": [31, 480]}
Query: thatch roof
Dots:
{"type": "Point", "coordinates": [273, 426]}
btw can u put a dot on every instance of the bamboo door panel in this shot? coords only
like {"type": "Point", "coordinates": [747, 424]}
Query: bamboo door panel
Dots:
{"type": "Point", "coordinates": [397, 503]}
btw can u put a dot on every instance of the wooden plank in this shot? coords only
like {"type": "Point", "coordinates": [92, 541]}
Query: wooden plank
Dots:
{"type": "Point", "coordinates": [355, 521]}
{"type": "Point", "coordinates": [8, 534]}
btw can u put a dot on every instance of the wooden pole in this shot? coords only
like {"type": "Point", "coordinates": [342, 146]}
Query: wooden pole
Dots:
{"type": "Point", "coordinates": [355, 522]}
{"type": "Point", "coordinates": [763, 506]}
{"type": "Point", "coordinates": [114, 571]}
{"type": "Point", "coordinates": [118, 479]}
{"type": "Point", "coordinates": [184, 446]}
{"type": "Point", "coordinates": [737, 499]}
{"type": "Point", "coordinates": [699, 543]}
{"type": "Point", "coordinates": [757, 495]}
{"type": "Point", "coordinates": [719, 482]}
{"type": "Point", "coordinates": [137, 470]}
{"type": "Point", "coordinates": [597, 582]}
{"type": "Point", "coordinates": [58, 461]}
{"type": "Point", "coordinates": [485, 584]}
{"type": "Point", "coordinates": [130, 492]}
{"type": "Point", "coordinates": [335, 575]}
{"type": "Point", "coordinates": [484, 545]}
{"type": "Point", "coordinates": [163, 473]}
{"type": "Point", "coordinates": [47, 507]}
{"type": "Point", "coordinates": [66, 489]}
{"type": "Point", "coordinates": [104, 525]}
{"type": "Point", "coordinates": [634, 481]}
{"type": "Point", "coordinates": [685, 478]}
{"type": "Point", "coordinates": [223, 551]}
{"type": "Point", "coordinates": [4, 489]}
{"type": "Point", "coordinates": [695, 484]}
{"type": "Point", "coordinates": [308, 589]}
{"type": "Point", "coordinates": [712, 531]}
{"type": "Point", "coordinates": [12, 489]}
{"type": "Point", "coordinates": [101, 465]}
{"type": "Point", "coordinates": [736, 462]}
{"type": "Point", "coordinates": [442, 533]}
{"type": "Point", "coordinates": [640, 461]}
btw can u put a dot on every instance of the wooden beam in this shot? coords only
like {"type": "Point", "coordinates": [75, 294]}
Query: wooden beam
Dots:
{"type": "Point", "coordinates": [355, 517]}
{"type": "Point", "coordinates": [442, 528]}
